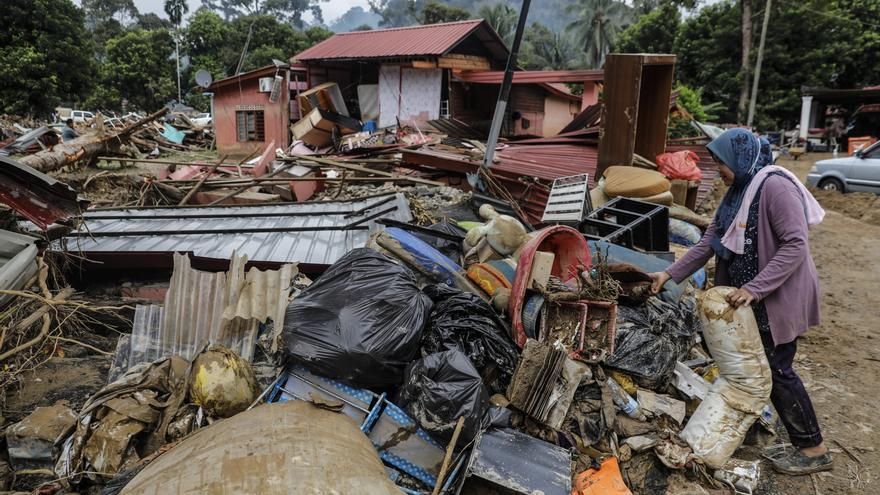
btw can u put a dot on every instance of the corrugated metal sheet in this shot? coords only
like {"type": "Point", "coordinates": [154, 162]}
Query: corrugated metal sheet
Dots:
{"type": "Point", "coordinates": [430, 40]}
{"type": "Point", "coordinates": [315, 234]}
{"type": "Point", "coordinates": [529, 168]}
{"type": "Point", "coordinates": [203, 308]}
{"type": "Point", "coordinates": [532, 76]}
{"type": "Point", "coordinates": [36, 196]}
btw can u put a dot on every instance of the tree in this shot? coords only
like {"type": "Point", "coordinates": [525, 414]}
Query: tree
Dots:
{"type": "Point", "coordinates": [746, 36]}
{"type": "Point", "coordinates": [595, 28]}
{"type": "Point", "coordinates": [652, 33]}
{"type": "Point", "coordinates": [138, 67]}
{"type": "Point", "coordinates": [353, 19]}
{"type": "Point", "coordinates": [363, 27]}
{"type": "Point", "coordinates": [708, 45]}
{"type": "Point", "coordinates": [176, 9]}
{"type": "Point", "coordinates": [46, 56]}
{"type": "Point", "coordinates": [435, 13]}
{"type": "Point", "coordinates": [152, 21]}
{"type": "Point", "coordinates": [545, 50]}
{"type": "Point", "coordinates": [290, 11]}
{"type": "Point", "coordinates": [396, 13]}
{"type": "Point", "coordinates": [108, 18]}
{"type": "Point", "coordinates": [503, 19]}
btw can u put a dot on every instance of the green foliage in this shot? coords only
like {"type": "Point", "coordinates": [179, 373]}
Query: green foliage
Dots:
{"type": "Point", "coordinates": [595, 27]}
{"type": "Point", "coordinates": [138, 67]}
{"type": "Point", "coordinates": [108, 18]}
{"type": "Point", "coordinates": [708, 45]}
{"type": "Point", "coordinates": [435, 13]}
{"type": "Point", "coordinates": [689, 100]}
{"type": "Point", "coordinates": [363, 27]}
{"type": "Point", "coordinates": [152, 21]}
{"type": "Point", "coordinates": [545, 50]}
{"type": "Point", "coordinates": [355, 19]}
{"type": "Point", "coordinates": [289, 11]}
{"type": "Point", "coordinates": [176, 9]}
{"type": "Point", "coordinates": [46, 56]}
{"type": "Point", "coordinates": [503, 19]}
{"type": "Point", "coordinates": [396, 13]}
{"type": "Point", "coordinates": [652, 33]}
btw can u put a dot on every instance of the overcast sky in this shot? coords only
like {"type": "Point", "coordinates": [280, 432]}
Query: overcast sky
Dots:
{"type": "Point", "coordinates": [332, 8]}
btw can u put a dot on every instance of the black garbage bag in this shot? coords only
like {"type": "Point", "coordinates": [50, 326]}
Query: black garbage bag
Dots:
{"type": "Point", "coordinates": [361, 322]}
{"type": "Point", "coordinates": [451, 249]}
{"type": "Point", "coordinates": [461, 320]}
{"type": "Point", "coordinates": [439, 389]}
{"type": "Point", "coordinates": [652, 337]}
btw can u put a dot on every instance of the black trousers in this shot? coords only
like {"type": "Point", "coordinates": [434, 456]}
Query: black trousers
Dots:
{"type": "Point", "coordinates": [789, 396]}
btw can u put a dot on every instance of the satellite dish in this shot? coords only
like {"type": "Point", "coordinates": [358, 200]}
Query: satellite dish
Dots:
{"type": "Point", "coordinates": [203, 78]}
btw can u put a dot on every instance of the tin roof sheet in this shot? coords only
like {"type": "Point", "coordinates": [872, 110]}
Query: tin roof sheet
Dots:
{"type": "Point", "coordinates": [430, 40]}
{"type": "Point", "coordinates": [316, 233]}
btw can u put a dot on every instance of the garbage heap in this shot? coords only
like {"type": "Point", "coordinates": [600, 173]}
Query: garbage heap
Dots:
{"type": "Point", "coordinates": [464, 357]}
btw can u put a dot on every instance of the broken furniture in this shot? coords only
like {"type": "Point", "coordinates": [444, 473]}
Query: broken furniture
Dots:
{"type": "Point", "coordinates": [401, 444]}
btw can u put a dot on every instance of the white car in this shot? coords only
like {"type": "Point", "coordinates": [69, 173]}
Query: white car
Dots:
{"type": "Point", "coordinates": [857, 173]}
{"type": "Point", "coordinates": [202, 119]}
{"type": "Point", "coordinates": [80, 116]}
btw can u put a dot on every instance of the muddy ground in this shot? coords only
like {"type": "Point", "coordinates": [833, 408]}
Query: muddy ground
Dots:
{"type": "Point", "coordinates": [838, 360]}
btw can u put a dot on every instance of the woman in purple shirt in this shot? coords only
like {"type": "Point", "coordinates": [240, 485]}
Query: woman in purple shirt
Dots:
{"type": "Point", "coordinates": [774, 274]}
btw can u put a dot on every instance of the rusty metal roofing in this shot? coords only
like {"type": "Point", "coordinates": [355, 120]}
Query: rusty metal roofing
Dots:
{"type": "Point", "coordinates": [313, 234]}
{"type": "Point", "coordinates": [412, 41]}
{"type": "Point", "coordinates": [36, 196]}
{"type": "Point", "coordinates": [532, 76]}
{"type": "Point", "coordinates": [527, 169]}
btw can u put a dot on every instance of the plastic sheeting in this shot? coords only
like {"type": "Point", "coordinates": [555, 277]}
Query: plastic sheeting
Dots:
{"type": "Point", "coordinates": [361, 322]}
{"type": "Point", "coordinates": [652, 338]}
{"type": "Point", "coordinates": [441, 388]}
{"type": "Point", "coordinates": [461, 320]}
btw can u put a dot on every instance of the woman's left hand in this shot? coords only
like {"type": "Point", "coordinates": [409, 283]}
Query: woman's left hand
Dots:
{"type": "Point", "coordinates": [740, 297]}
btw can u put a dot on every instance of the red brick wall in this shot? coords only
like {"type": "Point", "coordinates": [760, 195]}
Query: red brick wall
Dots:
{"type": "Point", "coordinates": [231, 97]}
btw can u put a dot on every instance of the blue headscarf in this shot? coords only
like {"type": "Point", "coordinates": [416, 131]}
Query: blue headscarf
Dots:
{"type": "Point", "coordinates": [745, 154]}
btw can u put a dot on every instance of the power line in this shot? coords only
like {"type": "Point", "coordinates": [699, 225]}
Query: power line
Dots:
{"type": "Point", "coordinates": [837, 17]}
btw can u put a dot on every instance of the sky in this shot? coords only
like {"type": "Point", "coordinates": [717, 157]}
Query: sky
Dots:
{"type": "Point", "coordinates": [332, 8]}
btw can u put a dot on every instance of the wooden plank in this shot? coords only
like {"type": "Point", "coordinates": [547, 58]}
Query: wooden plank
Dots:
{"type": "Point", "coordinates": [424, 64]}
{"type": "Point", "coordinates": [463, 62]}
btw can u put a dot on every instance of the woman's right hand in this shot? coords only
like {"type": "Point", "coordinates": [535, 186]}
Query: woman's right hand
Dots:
{"type": "Point", "coordinates": [659, 279]}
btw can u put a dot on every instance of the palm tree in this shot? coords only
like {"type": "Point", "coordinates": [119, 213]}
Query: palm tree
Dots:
{"type": "Point", "coordinates": [176, 9]}
{"type": "Point", "coordinates": [596, 27]}
{"type": "Point", "coordinates": [502, 18]}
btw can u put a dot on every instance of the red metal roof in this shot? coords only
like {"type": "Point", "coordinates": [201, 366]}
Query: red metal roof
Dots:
{"type": "Point", "coordinates": [532, 76]}
{"type": "Point", "coordinates": [413, 41]}
{"type": "Point", "coordinates": [527, 169]}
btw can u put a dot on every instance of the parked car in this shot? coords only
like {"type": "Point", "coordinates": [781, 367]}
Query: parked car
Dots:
{"type": "Point", "coordinates": [857, 173]}
{"type": "Point", "coordinates": [202, 119]}
{"type": "Point", "coordinates": [81, 116]}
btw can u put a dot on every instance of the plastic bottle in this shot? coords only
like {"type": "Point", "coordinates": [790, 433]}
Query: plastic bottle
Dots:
{"type": "Point", "coordinates": [624, 401]}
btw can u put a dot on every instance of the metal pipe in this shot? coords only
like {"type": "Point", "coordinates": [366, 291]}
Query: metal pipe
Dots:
{"type": "Point", "coordinates": [504, 94]}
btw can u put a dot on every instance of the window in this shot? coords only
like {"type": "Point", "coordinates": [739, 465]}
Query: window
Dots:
{"type": "Point", "coordinates": [250, 125]}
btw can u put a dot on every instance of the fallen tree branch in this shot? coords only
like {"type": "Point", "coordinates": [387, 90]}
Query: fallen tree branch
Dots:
{"type": "Point", "coordinates": [42, 312]}
{"type": "Point", "coordinates": [82, 344]}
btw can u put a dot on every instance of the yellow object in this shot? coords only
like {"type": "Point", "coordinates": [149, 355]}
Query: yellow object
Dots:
{"type": "Point", "coordinates": [711, 373]}
{"type": "Point", "coordinates": [222, 382]}
{"type": "Point", "coordinates": [606, 480]}
{"type": "Point", "coordinates": [634, 182]}
{"type": "Point", "coordinates": [625, 382]}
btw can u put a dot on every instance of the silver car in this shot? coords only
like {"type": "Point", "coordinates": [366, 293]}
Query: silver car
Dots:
{"type": "Point", "coordinates": [857, 173]}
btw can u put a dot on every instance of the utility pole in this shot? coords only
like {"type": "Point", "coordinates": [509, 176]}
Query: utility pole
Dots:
{"type": "Point", "coordinates": [504, 94]}
{"type": "Point", "coordinates": [177, 56]}
{"type": "Point", "coordinates": [758, 64]}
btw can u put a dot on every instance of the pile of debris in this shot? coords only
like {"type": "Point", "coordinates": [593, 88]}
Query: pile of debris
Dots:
{"type": "Point", "coordinates": [460, 351]}
{"type": "Point", "coordinates": [176, 133]}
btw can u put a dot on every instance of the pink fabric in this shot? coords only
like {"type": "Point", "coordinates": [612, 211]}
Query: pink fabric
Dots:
{"type": "Point", "coordinates": [787, 281]}
{"type": "Point", "coordinates": [734, 238]}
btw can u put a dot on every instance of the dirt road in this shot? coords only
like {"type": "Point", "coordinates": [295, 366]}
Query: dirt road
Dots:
{"type": "Point", "coordinates": [839, 360]}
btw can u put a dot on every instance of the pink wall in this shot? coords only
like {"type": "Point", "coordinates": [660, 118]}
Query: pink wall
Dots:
{"type": "Point", "coordinates": [245, 95]}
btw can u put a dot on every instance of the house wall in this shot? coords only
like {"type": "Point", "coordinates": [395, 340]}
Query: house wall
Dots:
{"type": "Point", "coordinates": [558, 113]}
{"type": "Point", "coordinates": [246, 96]}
